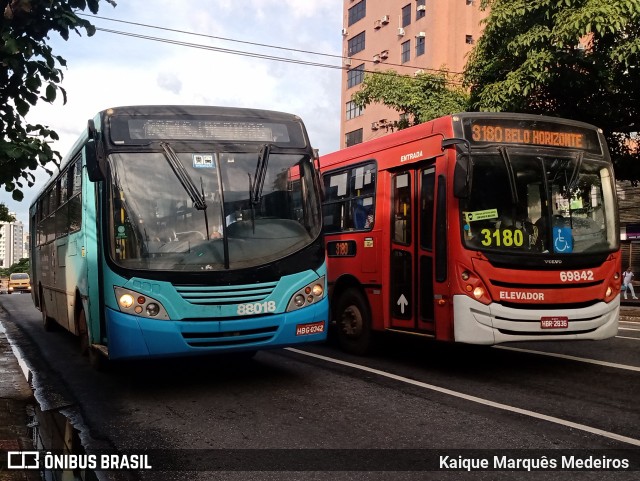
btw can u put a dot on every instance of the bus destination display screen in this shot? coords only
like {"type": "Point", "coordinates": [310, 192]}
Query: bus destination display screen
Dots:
{"type": "Point", "coordinates": [128, 130]}
{"type": "Point", "coordinates": [547, 134]}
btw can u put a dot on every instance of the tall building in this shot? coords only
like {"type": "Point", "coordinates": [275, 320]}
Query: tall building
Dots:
{"type": "Point", "coordinates": [407, 36]}
{"type": "Point", "coordinates": [12, 247]}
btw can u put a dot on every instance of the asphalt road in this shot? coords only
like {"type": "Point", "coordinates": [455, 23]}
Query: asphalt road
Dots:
{"type": "Point", "coordinates": [393, 415]}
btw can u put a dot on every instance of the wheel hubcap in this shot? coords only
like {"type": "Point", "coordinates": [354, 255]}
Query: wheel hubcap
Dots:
{"type": "Point", "coordinates": [351, 321]}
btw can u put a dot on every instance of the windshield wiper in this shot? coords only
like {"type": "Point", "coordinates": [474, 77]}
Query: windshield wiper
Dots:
{"type": "Point", "coordinates": [183, 176]}
{"type": "Point", "coordinates": [255, 187]}
{"type": "Point", "coordinates": [512, 178]}
{"type": "Point", "coordinates": [575, 175]}
{"type": "Point", "coordinates": [260, 175]}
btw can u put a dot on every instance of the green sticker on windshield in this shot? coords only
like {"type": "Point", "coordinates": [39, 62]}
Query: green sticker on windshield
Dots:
{"type": "Point", "coordinates": [121, 232]}
{"type": "Point", "coordinates": [203, 161]}
{"type": "Point", "coordinates": [480, 215]}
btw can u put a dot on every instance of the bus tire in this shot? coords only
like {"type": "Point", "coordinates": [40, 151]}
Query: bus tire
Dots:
{"type": "Point", "coordinates": [353, 323]}
{"type": "Point", "coordinates": [96, 359]}
{"type": "Point", "coordinates": [47, 322]}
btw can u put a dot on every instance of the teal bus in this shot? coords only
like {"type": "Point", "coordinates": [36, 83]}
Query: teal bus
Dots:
{"type": "Point", "coordinates": [182, 230]}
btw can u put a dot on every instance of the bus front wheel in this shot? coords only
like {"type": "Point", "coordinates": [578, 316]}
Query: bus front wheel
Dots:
{"type": "Point", "coordinates": [96, 359]}
{"type": "Point", "coordinates": [47, 322]}
{"type": "Point", "coordinates": [353, 323]}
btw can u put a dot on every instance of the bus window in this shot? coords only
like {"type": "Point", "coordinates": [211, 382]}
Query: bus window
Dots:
{"type": "Point", "coordinates": [427, 189]}
{"type": "Point", "coordinates": [350, 199]}
{"type": "Point", "coordinates": [546, 201]}
{"type": "Point", "coordinates": [402, 208]}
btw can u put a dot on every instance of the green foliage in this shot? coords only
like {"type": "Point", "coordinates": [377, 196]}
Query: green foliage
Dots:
{"type": "Point", "coordinates": [23, 265]}
{"type": "Point", "coordinates": [423, 97]}
{"type": "Point", "coordinates": [568, 58]}
{"type": "Point", "coordinates": [29, 73]}
{"type": "Point", "coordinates": [4, 214]}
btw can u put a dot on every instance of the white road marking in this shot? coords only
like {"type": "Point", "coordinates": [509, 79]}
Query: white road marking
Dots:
{"type": "Point", "coordinates": [632, 338]}
{"type": "Point", "coordinates": [467, 397]}
{"type": "Point", "coordinates": [572, 358]}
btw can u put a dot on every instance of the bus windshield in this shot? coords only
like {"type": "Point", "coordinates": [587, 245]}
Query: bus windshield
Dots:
{"type": "Point", "coordinates": [219, 218]}
{"type": "Point", "coordinates": [534, 202]}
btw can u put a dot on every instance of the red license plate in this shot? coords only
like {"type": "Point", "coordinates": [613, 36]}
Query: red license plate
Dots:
{"type": "Point", "coordinates": [555, 322]}
{"type": "Point", "coordinates": [311, 328]}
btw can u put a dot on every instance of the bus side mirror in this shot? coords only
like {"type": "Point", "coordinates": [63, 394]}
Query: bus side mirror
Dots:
{"type": "Point", "coordinates": [463, 172]}
{"type": "Point", "coordinates": [462, 176]}
{"type": "Point", "coordinates": [320, 183]}
{"type": "Point", "coordinates": [94, 154]}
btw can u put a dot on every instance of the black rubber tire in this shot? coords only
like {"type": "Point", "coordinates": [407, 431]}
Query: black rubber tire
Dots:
{"type": "Point", "coordinates": [353, 323]}
{"type": "Point", "coordinates": [96, 358]}
{"type": "Point", "coordinates": [47, 322]}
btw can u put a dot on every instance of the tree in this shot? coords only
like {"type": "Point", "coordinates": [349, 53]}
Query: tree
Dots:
{"type": "Point", "coordinates": [4, 214]}
{"type": "Point", "coordinates": [30, 72]}
{"type": "Point", "coordinates": [568, 58]}
{"type": "Point", "coordinates": [23, 265]}
{"type": "Point", "coordinates": [423, 97]}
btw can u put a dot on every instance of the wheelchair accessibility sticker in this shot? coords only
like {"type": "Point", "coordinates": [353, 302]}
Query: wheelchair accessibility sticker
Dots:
{"type": "Point", "coordinates": [562, 240]}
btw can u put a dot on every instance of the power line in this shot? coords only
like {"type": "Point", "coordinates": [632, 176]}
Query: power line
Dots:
{"type": "Point", "coordinates": [257, 44]}
{"type": "Point", "coordinates": [219, 49]}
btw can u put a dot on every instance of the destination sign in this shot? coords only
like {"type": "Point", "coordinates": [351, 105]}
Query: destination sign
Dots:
{"type": "Point", "coordinates": [139, 130]}
{"type": "Point", "coordinates": [548, 134]}
{"type": "Point", "coordinates": [341, 248]}
{"type": "Point", "coordinates": [200, 129]}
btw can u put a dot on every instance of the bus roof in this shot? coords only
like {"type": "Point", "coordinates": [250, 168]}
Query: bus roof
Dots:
{"type": "Point", "coordinates": [196, 110]}
{"type": "Point", "coordinates": [446, 128]}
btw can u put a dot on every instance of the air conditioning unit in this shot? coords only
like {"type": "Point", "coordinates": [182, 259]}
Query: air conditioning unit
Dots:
{"type": "Point", "coordinates": [344, 32]}
{"type": "Point", "coordinates": [347, 62]}
{"type": "Point", "coordinates": [385, 19]}
{"type": "Point", "coordinates": [400, 32]}
{"type": "Point", "coordinates": [376, 58]}
{"type": "Point", "coordinates": [384, 54]}
{"type": "Point", "coordinates": [418, 72]}
{"type": "Point", "coordinates": [377, 24]}
{"type": "Point", "coordinates": [421, 8]}
{"type": "Point", "coordinates": [375, 126]}
{"type": "Point", "coordinates": [421, 34]}
{"type": "Point", "coordinates": [582, 46]}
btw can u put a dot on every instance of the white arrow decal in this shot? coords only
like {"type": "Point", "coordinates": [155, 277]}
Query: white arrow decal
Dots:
{"type": "Point", "coordinates": [402, 302]}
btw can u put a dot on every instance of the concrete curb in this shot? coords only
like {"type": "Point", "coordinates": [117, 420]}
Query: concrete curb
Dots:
{"type": "Point", "coordinates": [16, 402]}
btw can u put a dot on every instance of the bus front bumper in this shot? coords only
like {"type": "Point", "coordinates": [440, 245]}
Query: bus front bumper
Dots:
{"type": "Point", "coordinates": [477, 323]}
{"type": "Point", "coordinates": [133, 337]}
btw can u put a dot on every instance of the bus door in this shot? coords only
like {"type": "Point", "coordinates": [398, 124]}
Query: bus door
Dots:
{"type": "Point", "coordinates": [412, 260]}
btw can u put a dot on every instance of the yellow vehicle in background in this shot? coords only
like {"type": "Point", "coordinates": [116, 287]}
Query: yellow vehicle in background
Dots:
{"type": "Point", "coordinates": [19, 282]}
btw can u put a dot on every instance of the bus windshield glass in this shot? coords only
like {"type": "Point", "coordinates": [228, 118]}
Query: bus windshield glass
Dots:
{"type": "Point", "coordinates": [528, 202]}
{"type": "Point", "coordinates": [205, 211]}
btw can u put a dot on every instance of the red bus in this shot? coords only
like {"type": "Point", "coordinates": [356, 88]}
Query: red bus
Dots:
{"type": "Point", "coordinates": [479, 228]}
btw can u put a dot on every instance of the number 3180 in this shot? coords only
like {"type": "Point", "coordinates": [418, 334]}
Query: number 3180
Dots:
{"type": "Point", "coordinates": [502, 237]}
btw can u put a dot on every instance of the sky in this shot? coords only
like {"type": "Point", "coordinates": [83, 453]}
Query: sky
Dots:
{"type": "Point", "coordinates": [111, 69]}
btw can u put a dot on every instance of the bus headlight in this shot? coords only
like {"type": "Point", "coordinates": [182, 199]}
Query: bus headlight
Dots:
{"type": "Point", "coordinates": [309, 294]}
{"type": "Point", "coordinates": [153, 309]}
{"type": "Point", "coordinates": [137, 304]}
{"type": "Point", "coordinates": [125, 301]}
{"type": "Point", "coordinates": [473, 286]}
{"type": "Point", "coordinates": [478, 292]}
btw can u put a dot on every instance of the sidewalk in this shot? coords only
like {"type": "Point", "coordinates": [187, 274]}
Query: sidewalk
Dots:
{"type": "Point", "coordinates": [15, 398]}
{"type": "Point", "coordinates": [630, 310]}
